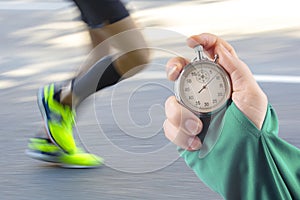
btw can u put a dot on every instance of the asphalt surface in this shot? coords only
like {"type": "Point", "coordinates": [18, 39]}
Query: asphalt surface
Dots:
{"type": "Point", "coordinates": [42, 43]}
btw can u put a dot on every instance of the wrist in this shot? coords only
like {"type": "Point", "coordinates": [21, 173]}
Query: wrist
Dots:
{"type": "Point", "coordinates": [253, 105]}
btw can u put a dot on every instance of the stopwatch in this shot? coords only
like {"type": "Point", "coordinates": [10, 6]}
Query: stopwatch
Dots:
{"type": "Point", "coordinates": [203, 86]}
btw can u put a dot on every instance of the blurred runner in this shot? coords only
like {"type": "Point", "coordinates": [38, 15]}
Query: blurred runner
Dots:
{"type": "Point", "coordinates": [58, 101]}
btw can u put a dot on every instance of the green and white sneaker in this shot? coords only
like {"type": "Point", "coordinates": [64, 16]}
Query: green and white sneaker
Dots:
{"type": "Point", "coordinates": [43, 149]}
{"type": "Point", "coordinates": [58, 118]}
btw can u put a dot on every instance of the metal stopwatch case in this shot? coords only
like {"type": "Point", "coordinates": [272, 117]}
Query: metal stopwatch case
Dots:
{"type": "Point", "coordinates": [203, 86]}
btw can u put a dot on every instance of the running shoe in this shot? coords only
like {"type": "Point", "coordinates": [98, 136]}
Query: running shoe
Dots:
{"type": "Point", "coordinates": [58, 118]}
{"type": "Point", "coordinates": [43, 149]}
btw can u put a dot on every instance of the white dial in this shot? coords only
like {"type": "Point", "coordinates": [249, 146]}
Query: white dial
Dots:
{"type": "Point", "coordinates": [203, 87]}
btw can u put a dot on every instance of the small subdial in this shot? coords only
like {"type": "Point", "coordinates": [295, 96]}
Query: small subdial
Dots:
{"type": "Point", "coordinates": [203, 76]}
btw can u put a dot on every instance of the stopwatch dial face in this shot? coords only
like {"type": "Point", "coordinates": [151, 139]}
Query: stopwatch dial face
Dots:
{"type": "Point", "coordinates": [204, 87]}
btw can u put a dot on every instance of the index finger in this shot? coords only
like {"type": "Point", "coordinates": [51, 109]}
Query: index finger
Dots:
{"type": "Point", "coordinates": [210, 43]}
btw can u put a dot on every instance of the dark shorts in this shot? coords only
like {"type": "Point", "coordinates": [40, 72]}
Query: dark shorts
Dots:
{"type": "Point", "coordinates": [97, 13]}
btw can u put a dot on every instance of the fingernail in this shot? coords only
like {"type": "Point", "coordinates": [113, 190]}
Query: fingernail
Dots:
{"type": "Point", "coordinates": [194, 144]}
{"type": "Point", "coordinates": [192, 126]}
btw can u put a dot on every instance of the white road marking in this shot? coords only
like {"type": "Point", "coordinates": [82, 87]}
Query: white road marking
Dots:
{"type": "Point", "coordinates": [277, 78]}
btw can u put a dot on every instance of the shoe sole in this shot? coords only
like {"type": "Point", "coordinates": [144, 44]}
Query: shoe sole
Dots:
{"type": "Point", "coordinates": [77, 166]}
{"type": "Point", "coordinates": [42, 157]}
{"type": "Point", "coordinates": [51, 159]}
{"type": "Point", "coordinates": [41, 106]}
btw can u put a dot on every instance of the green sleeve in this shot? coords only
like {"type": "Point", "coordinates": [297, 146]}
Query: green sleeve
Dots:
{"type": "Point", "coordinates": [247, 163]}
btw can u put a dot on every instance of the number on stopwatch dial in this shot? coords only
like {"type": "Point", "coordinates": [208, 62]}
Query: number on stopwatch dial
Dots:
{"type": "Point", "coordinates": [203, 87]}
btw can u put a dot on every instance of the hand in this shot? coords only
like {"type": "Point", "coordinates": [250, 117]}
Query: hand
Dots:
{"type": "Point", "coordinates": [181, 125]}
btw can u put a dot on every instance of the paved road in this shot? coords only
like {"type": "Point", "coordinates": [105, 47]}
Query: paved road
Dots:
{"type": "Point", "coordinates": [45, 42]}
